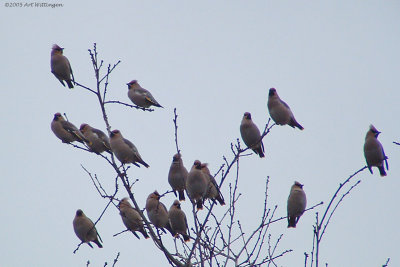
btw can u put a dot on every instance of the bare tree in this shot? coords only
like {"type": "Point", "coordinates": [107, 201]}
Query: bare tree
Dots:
{"type": "Point", "coordinates": [216, 240]}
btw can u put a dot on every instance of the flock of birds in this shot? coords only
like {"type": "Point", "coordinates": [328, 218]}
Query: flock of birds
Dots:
{"type": "Point", "coordinates": [198, 183]}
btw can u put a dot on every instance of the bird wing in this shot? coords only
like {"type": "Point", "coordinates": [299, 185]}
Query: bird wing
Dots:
{"type": "Point", "coordinates": [69, 126]}
{"type": "Point", "coordinates": [131, 145]}
{"type": "Point", "coordinates": [385, 157]}
{"type": "Point", "coordinates": [102, 136]}
{"type": "Point", "coordinates": [283, 102]}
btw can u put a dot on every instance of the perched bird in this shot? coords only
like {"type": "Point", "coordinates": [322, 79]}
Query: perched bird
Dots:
{"type": "Point", "coordinates": [296, 204]}
{"type": "Point", "coordinates": [197, 185]}
{"type": "Point", "coordinates": [85, 229]}
{"type": "Point", "coordinates": [125, 150]}
{"type": "Point", "coordinates": [280, 112]}
{"type": "Point", "coordinates": [157, 212]}
{"type": "Point", "coordinates": [140, 96]}
{"type": "Point", "coordinates": [373, 151]}
{"type": "Point", "coordinates": [98, 141]}
{"type": "Point", "coordinates": [177, 176]}
{"type": "Point", "coordinates": [177, 219]}
{"type": "Point", "coordinates": [60, 66]}
{"type": "Point", "coordinates": [66, 131]}
{"type": "Point", "coordinates": [131, 218]}
{"type": "Point", "coordinates": [251, 135]}
{"type": "Point", "coordinates": [213, 191]}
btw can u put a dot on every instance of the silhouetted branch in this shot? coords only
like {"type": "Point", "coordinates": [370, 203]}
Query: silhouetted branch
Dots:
{"type": "Point", "coordinates": [176, 131]}
{"type": "Point", "coordinates": [317, 233]}
{"type": "Point", "coordinates": [386, 263]}
{"type": "Point", "coordinates": [128, 105]}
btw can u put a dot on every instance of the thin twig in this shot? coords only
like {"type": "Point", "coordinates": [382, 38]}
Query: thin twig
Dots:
{"type": "Point", "coordinates": [128, 105]}
{"type": "Point", "coordinates": [176, 131]}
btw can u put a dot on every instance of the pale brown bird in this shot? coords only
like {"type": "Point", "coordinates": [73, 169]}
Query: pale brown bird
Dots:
{"type": "Point", "coordinates": [296, 204]}
{"type": "Point", "coordinates": [98, 141]}
{"type": "Point", "coordinates": [177, 219]}
{"type": "Point", "coordinates": [131, 218]}
{"type": "Point", "coordinates": [251, 135]}
{"type": "Point", "coordinates": [60, 66]}
{"type": "Point", "coordinates": [140, 96]}
{"type": "Point", "coordinates": [125, 150]}
{"type": "Point", "coordinates": [177, 176]}
{"type": "Point", "coordinates": [213, 191]}
{"type": "Point", "coordinates": [66, 131]}
{"type": "Point", "coordinates": [85, 229]}
{"type": "Point", "coordinates": [373, 151]}
{"type": "Point", "coordinates": [280, 111]}
{"type": "Point", "coordinates": [157, 212]}
{"type": "Point", "coordinates": [196, 185]}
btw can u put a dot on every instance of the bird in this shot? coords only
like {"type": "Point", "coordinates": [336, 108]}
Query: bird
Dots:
{"type": "Point", "coordinates": [140, 96]}
{"type": "Point", "coordinates": [85, 229]}
{"type": "Point", "coordinates": [177, 219]}
{"type": "Point", "coordinates": [197, 185]}
{"type": "Point", "coordinates": [98, 141]}
{"type": "Point", "coordinates": [373, 151]}
{"type": "Point", "coordinates": [296, 204]}
{"type": "Point", "coordinates": [177, 176]}
{"type": "Point", "coordinates": [131, 218]}
{"type": "Point", "coordinates": [125, 150]}
{"type": "Point", "coordinates": [251, 135]}
{"type": "Point", "coordinates": [213, 191]}
{"type": "Point", "coordinates": [66, 131]}
{"type": "Point", "coordinates": [280, 111]}
{"type": "Point", "coordinates": [157, 212]}
{"type": "Point", "coordinates": [60, 66]}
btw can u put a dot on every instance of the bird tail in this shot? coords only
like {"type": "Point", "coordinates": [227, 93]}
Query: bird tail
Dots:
{"type": "Point", "coordinates": [144, 233]}
{"type": "Point", "coordinates": [370, 169]}
{"type": "Point", "coordinates": [181, 195]}
{"type": "Point", "coordinates": [97, 242]}
{"type": "Point", "coordinates": [70, 85]}
{"type": "Point", "coordinates": [294, 123]}
{"type": "Point", "coordinates": [186, 237]}
{"type": "Point", "coordinates": [220, 200]}
{"type": "Point", "coordinates": [291, 222]}
{"type": "Point", "coordinates": [199, 204]}
{"type": "Point", "coordinates": [259, 150]}
{"type": "Point", "coordinates": [144, 163]}
{"type": "Point", "coordinates": [153, 102]}
{"type": "Point", "coordinates": [135, 234]}
{"type": "Point", "coordinates": [382, 170]}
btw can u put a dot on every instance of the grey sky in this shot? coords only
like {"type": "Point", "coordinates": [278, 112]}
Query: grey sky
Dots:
{"type": "Point", "coordinates": [336, 63]}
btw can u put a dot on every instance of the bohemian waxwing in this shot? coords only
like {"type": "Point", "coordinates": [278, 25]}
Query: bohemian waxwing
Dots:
{"type": "Point", "coordinates": [85, 229]}
{"type": "Point", "coordinates": [213, 191]}
{"type": "Point", "coordinates": [131, 218]}
{"type": "Point", "coordinates": [251, 135]}
{"type": "Point", "coordinates": [296, 204]}
{"type": "Point", "coordinates": [157, 212]}
{"type": "Point", "coordinates": [177, 176]}
{"type": "Point", "coordinates": [177, 219]}
{"type": "Point", "coordinates": [66, 131]}
{"type": "Point", "coordinates": [98, 141]}
{"type": "Point", "coordinates": [140, 96]}
{"type": "Point", "coordinates": [280, 112]}
{"type": "Point", "coordinates": [197, 185]}
{"type": "Point", "coordinates": [60, 66]}
{"type": "Point", "coordinates": [125, 150]}
{"type": "Point", "coordinates": [373, 151]}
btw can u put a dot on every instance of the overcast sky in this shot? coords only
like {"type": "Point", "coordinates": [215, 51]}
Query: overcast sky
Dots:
{"type": "Point", "coordinates": [336, 63]}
